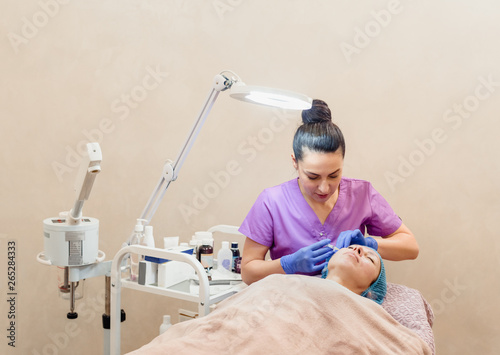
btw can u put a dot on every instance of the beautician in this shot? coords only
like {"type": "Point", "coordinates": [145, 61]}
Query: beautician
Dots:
{"type": "Point", "coordinates": [297, 219]}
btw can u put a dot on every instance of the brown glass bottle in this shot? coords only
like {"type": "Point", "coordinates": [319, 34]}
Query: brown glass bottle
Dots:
{"type": "Point", "coordinates": [206, 254]}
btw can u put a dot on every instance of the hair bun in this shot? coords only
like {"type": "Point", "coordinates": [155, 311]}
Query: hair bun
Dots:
{"type": "Point", "coordinates": [319, 112]}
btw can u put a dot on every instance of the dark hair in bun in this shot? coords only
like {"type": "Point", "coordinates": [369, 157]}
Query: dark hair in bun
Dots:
{"type": "Point", "coordinates": [318, 112]}
{"type": "Point", "coordinates": [318, 133]}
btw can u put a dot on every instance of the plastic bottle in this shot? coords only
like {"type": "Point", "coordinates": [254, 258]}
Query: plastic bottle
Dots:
{"type": "Point", "coordinates": [149, 240]}
{"type": "Point", "coordinates": [236, 254]}
{"type": "Point", "coordinates": [206, 254]}
{"type": "Point", "coordinates": [166, 324]}
{"type": "Point", "coordinates": [225, 259]}
{"type": "Point", "coordinates": [134, 258]}
{"type": "Point", "coordinates": [194, 244]}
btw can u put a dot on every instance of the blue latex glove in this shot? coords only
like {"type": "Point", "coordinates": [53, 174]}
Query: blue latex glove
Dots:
{"type": "Point", "coordinates": [347, 238]}
{"type": "Point", "coordinates": [305, 259]}
{"type": "Point", "coordinates": [371, 242]}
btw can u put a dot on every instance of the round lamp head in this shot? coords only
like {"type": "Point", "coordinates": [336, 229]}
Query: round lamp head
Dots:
{"type": "Point", "coordinates": [270, 97]}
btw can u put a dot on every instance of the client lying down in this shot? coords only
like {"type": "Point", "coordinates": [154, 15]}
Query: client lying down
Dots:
{"type": "Point", "coordinates": [296, 314]}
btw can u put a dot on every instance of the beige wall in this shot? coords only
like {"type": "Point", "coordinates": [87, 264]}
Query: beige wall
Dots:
{"type": "Point", "coordinates": [414, 85]}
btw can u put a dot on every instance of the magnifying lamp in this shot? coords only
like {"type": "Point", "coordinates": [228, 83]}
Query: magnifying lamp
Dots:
{"type": "Point", "coordinates": [270, 97]}
{"type": "Point", "coordinates": [226, 80]}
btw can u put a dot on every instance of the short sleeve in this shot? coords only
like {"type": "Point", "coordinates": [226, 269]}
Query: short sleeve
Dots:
{"type": "Point", "coordinates": [258, 224]}
{"type": "Point", "coordinates": [383, 221]}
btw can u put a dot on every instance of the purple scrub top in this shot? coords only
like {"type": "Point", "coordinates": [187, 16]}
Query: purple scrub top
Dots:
{"type": "Point", "coordinates": [282, 220]}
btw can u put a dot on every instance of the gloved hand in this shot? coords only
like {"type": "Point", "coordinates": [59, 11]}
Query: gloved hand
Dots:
{"type": "Point", "coordinates": [305, 259]}
{"type": "Point", "coordinates": [347, 238]}
{"type": "Point", "coordinates": [371, 242]}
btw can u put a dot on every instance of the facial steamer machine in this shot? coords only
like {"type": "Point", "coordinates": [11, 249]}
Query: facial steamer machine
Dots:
{"type": "Point", "coordinates": [70, 240]}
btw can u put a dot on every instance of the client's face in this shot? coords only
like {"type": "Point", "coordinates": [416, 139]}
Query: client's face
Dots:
{"type": "Point", "coordinates": [355, 267]}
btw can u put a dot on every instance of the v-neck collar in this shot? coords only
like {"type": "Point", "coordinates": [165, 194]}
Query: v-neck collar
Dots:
{"type": "Point", "coordinates": [312, 217]}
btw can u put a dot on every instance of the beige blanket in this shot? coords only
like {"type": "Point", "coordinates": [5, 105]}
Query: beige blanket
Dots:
{"type": "Point", "coordinates": [291, 314]}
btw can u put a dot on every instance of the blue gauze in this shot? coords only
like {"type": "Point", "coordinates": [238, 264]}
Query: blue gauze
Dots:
{"type": "Point", "coordinates": [377, 289]}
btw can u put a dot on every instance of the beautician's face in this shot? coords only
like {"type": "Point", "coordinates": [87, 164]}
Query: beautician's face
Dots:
{"type": "Point", "coordinates": [359, 263]}
{"type": "Point", "coordinates": [319, 174]}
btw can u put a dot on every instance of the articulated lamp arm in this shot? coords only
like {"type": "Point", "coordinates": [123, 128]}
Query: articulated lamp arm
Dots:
{"type": "Point", "coordinates": [171, 169]}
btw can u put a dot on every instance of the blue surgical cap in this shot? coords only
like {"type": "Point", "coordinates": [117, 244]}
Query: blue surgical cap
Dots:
{"type": "Point", "coordinates": [377, 289]}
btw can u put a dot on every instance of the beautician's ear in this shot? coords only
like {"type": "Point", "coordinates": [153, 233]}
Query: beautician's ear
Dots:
{"type": "Point", "coordinates": [294, 162]}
